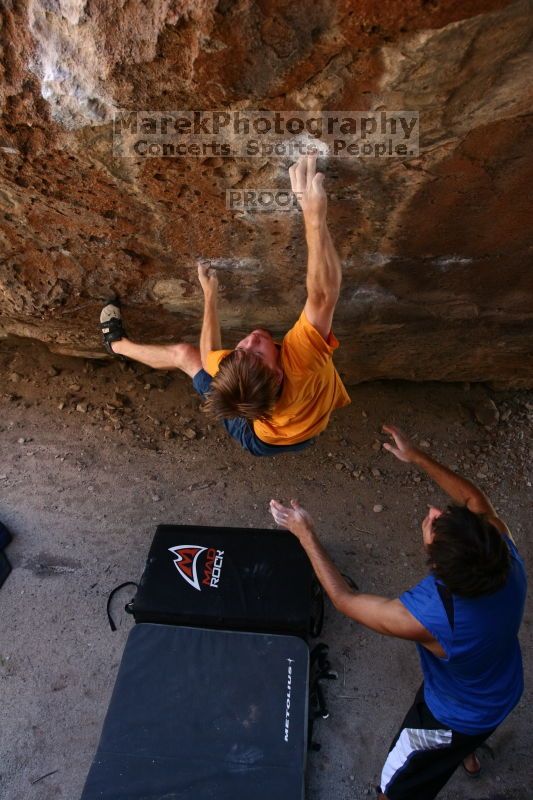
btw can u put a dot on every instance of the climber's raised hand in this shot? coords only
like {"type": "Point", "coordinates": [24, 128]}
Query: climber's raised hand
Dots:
{"type": "Point", "coordinates": [308, 186]}
{"type": "Point", "coordinates": [208, 278]}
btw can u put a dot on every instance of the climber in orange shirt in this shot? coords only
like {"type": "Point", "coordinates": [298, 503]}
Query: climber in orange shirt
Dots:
{"type": "Point", "coordinates": [272, 398]}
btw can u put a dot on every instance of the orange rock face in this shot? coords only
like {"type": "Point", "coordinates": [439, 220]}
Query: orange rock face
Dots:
{"type": "Point", "coordinates": [436, 248]}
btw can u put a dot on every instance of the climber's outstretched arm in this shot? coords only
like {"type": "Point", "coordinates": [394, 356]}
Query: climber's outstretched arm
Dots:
{"type": "Point", "coordinates": [210, 337]}
{"type": "Point", "coordinates": [324, 273]}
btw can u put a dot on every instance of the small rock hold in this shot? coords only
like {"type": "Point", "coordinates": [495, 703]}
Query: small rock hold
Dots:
{"type": "Point", "coordinates": [156, 381]}
{"type": "Point", "coordinates": [424, 443]}
{"type": "Point", "coordinates": [121, 399]}
{"type": "Point", "coordinates": [53, 371]}
{"type": "Point", "coordinates": [200, 485]}
{"type": "Point", "coordinates": [156, 498]}
{"type": "Point", "coordinates": [377, 509]}
{"type": "Point", "coordinates": [190, 433]}
{"type": "Point", "coordinates": [82, 407]}
{"type": "Point", "coordinates": [21, 440]}
{"type": "Point", "coordinates": [376, 472]}
{"type": "Point", "coordinates": [486, 413]}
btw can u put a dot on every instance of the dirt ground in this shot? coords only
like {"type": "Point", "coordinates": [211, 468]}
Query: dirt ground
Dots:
{"type": "Point", "coordinates": [96, 453]}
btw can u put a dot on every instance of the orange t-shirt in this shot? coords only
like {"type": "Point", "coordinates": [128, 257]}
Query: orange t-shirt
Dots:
{"type": "Point", "coordinates": [311, 387]}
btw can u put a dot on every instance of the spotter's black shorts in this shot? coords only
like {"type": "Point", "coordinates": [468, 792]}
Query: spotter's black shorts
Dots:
{"type": "Point", "coordinates": [424, 754]}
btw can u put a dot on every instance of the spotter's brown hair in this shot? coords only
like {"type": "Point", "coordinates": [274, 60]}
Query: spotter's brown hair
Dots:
{"type": "Point", "coordinates": [468, 553]}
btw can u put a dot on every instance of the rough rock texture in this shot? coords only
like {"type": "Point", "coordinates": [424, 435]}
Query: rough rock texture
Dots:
{"type": "Point", "coordinates": [435, 249]}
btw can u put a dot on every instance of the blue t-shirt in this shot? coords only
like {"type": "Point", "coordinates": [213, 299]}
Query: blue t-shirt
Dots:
{"type": "Point", "coordinates": [481, 680]}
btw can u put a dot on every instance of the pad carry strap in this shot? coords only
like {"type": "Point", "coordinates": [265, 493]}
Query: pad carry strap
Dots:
{"type": "Point", "coordinates": [350, 581]}
{"type": "Point", "coordinates": [111, 596]}
{"type": "Point", "coordinates": [317, 613]}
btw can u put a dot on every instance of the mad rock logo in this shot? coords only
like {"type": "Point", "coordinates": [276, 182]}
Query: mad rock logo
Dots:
{"type": "Point", "coordinates": [187, 564]}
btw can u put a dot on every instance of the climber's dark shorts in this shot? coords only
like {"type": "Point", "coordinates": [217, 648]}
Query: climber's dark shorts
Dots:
{"type": "Point", "coordinates": [240, 429]}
